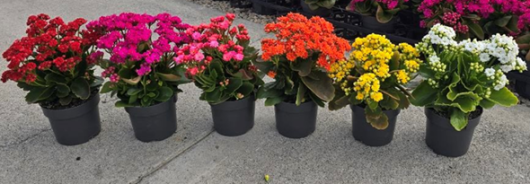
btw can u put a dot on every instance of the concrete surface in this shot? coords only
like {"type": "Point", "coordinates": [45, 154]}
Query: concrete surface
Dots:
{"type": "Point", "coordinates": [29, 153]}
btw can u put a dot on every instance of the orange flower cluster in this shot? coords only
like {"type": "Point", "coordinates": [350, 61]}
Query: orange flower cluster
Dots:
{"type": "Point", "coordinates": [299, 37]}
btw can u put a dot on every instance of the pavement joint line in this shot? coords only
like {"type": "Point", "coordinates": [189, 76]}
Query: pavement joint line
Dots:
{"type": "Point", "coordinates": [164, 163]}
{"type": "Point", "coordinates": [25, 139]}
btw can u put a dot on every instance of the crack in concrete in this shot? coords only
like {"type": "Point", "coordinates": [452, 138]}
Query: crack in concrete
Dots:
{"type": "Point", "coordinates": [25, 139]}
{"type": "Point", "coordinates": [171, 158]}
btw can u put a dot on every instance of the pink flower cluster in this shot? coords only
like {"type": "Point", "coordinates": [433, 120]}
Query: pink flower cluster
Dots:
{"type": "Point", "coordinates": [217, 40]}
{"type": "Point", "coordinates": [482, 8]}
{"type": "Point", "coordinates": [129, 38]}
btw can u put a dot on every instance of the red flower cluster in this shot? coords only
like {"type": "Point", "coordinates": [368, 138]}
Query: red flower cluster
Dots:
{"type": "Point", "coordinates": [50, 44]}
{"type": "Point", "coordinates": [299, 37]}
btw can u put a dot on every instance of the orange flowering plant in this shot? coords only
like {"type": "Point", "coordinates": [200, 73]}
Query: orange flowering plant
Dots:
{"type": "Point", "coordinates": [299, 59]}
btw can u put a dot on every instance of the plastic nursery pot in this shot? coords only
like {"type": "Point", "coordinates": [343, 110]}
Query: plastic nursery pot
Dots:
{"type": "Point", "coordinates": [296, 121]}
{"type": "Point", "coordinates": [233, 118]}
{"type": "Point", "coordinates": [370, 22]}
{"type": "Point", "coordinates": [240, 4]}
{"type": "Point", "coordinates": [76, 125]}
{"type": "Point", "coordinates": [523, 88]}
{"type": "Point", "coordinates": [154, 123]}
{"type": "Point", "coordinates": [443, 139]}
{"type": "Point", "coordinates": [368, 135]}
{"type": "Point", "coordinates": [320, 11]}
{"type": "Point", "coordinates": [259, 7]}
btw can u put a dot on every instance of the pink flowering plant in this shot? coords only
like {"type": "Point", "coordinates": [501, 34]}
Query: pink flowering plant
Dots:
{"type": "Point", "coordinates": [219, 60]}
{"type": "Point", "coordinates": [54, 62]}
{"type": "Point", "coordinates": [141, 70]}
{"type": "Point", "coordinates": [477, 18]}
{"type": "Point", "coordinates": [383, 10]}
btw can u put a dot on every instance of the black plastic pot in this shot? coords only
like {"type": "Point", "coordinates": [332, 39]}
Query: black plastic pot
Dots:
{"type": "Point", "coordinates": [259, 7]}
{"type": "Point", "coordinates": [522, 87]}
{"type": "Point", "coordinates": [240, 4]}
{"type": "Point", "coordinates": [320, 11]}
{"type": "Point", "coordinates": [75, 125]}
{"type": "Point", "coordinates": [368, 135]}
{"type": "Point", "coordinates": [233, 118]}
{"type": "Point", "coordinates": [296, 121]}
{"type": "Point", "coordinates": [370, 22]}
{"type": "Point", "coordinates": [443, 139]}
{"type": "Point", "coordinates": [154, 123]}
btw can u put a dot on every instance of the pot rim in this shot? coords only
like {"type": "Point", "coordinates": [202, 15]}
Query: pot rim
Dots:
{"type": "Point", "coordinates": [233, 105]}
{"type": "Point", "coordinates": [446, 122]}
{"type": "Point", "coordinates": [387, 112]}
{"type": "Point", "coordinates": [151, 110]}
{"type": "Point", "coordinates": [293, 108]}
{"type": "Point", "coordinates": [72, 112]}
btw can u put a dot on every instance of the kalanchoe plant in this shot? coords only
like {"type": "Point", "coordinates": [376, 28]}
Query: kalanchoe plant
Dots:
{"type": "Point", "coordinates": [374, 77]}
{"type": "Point", "coordinates": [141, 47]}
{"type": "Point", "coordinates": [219, 60]}
{"type": "Point", "coordinates": [524, 45]}
{"type": "Point", "coordinates": [298, 60]}
{"type": "Point", "coordinates": [460, 76]}
{"type": "Point", "coordinates": [315, 4]}
{"type": "Point", "coordinates": [383, 10]}
{"type": "Point", "coordinates": [53, 62]}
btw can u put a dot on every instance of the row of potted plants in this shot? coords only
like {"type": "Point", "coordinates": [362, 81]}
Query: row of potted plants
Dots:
{"type": "Point", "coordinates": [150, 56]}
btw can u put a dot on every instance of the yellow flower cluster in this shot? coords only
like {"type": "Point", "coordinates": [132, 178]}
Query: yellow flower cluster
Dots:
{"type": "Point", "coordinates": [369, 65]}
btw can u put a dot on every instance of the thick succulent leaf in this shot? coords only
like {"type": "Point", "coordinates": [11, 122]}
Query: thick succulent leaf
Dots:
{"type": "Point", "coordinates": [300, 95]}
{"type": "Point", "coordinates": [122, 104]}
{"type": "Point", "coordinates": [503, 97]}
{"type": "Point", "coordinates": [322, 88]}
{"type": "Point", "coordinates": [246, 88]}
{"type": "Point", "coordinates": [80, 88]}
{"type": "Point", "coordinates": [459, 119]}
{"type": "Point", "coordinates": [134, 91]}
{"type": "Point", "coordinates": [65, 101]}
{"type": "Point", "coordinates": [165, 94]}
{"type": "Point", "coordinates": [424, 94]}
{"type": "Point", "coordinates": [106, 87]}
{"type": "Point", "coordinates": [233, 85]}
{"type": "Point", "coordinates": [169, 77]}
{"type": "Point", "coordinates": [513, 24]}
{"type": "Point", "coordinates": [466, 103]}
{"type": "Point", "coordinates": [383, 16]}
{"type": "Point", "coordinates": [475, 28]}
{"type": "Point", "coordinates": [132, 81]}
{"type": "Point", "coordinates": [54, 78]}
{"type": "Point", "coordinates": [524, 39]}
{"type": "Point", "coordinates": [273, 101]}
{"type": "Point", "coordinates": [376, 118]}
{"type": "Point", "coordinates": [62, 90]}
{"type": "Point", "coordinates": [303, 67]}
{"type": "Point", "coordinates": [339, 101]}
{"type": "Point", "coordinates": [486, 104]}
{"type": "Point", "coordinates": [503, 21]}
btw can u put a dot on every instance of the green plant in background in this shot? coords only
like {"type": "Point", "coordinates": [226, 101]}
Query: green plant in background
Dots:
{"type": "Point", "coordinates": [315, 4]}
{"type": "Point", "coordinates": [524, 45]}
{"type": "Point", "coordinates": [219, 60]}
{"type": "Point", "coordinates": [383, 10]}
{"type": "Point", "coordinates": [373, 77]}
{"type": "Point", "coordinates": [141, 69]}
{"type": "Point", "coordinates": [54, 62]}
{"type": "Point", "coordinates": [461, 76]}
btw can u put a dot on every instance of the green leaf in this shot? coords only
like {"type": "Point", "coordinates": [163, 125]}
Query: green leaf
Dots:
{"type": "Point", "coordinates": [502, 22]}
{"type": "Point", "coordinates": [475, 28]}
{"type": "Point", "coordinates": [34, 94]}
{"type": "Point", "coordinates": [233, 85]}
{"type": "Point", "coordinates": [106, 87]}
{"type": "Point", "coordinates": [382, 15]}
{"type": "Point", "coordinates": [168, 76]}
{"type": "Point", "coordinates": [134, 91]}
{"type": "Point", "coordinates": [486, 104]}
{"type": "Point", "coordinates": [213, 96]}
{"type": "Point", "coordinates": [65, 101]}
{"type": "Point", "coordinates": [54, 78]}
{"type": "Point", "coordinates": [513, 24]}
{"type": "Point", "coordinates": [303, 67]}
{"type": "Point", "coordinates": [246, 89]}
{"type": "Point", "coordinates": [339, 101]}
{"type": "Point", "coordinates": [459, 119]}
{"type": "Point", "coordinates": [322, 88]}
{"type": "Point", "coordinates": [503, 97]}
{"type": "Point", "coordinates": [376, 118]}
{"type": "Point", "coordinates": [62, 90]}
{"type": "Point", "coordinates": [132, 81]}
{"type": "Point", "coordinates": [424, 94]}
{"type": "Point", "coordinates": [48, 92]}
{"type": "Point", "coordinates": [80, 88]}
{"type": "Point", "coordinates": [25, 86]}
{"type": "Point", "coordinates": [122, 104]}
{"type": "Point", "coordinates": [98, 81]}
{"type": "Point", "coordinates": [165, 94]}
{"type": "Point", "coordinates": [300, 95]}
{"type": "Point", "coordinates": [132, 99]}
{"type": "Point", "coordinates": [273, 101]}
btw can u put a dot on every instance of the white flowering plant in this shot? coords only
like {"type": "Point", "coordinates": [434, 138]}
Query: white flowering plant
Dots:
{"type": "Point", "coordinates": [462, 76]}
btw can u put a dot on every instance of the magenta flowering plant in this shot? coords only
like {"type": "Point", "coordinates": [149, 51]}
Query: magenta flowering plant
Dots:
{"type": "Point", "coordinates": [383, 10]}
{"type": "Point", "coordinates": [477, 18]}
{"type": "Point", "coordinates": [219, 60]}
{"type": "Point", "coordinates": [141, 70]}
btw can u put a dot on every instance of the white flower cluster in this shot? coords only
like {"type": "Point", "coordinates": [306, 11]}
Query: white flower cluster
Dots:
{"type": "Point", "coordinates": [497, 76]}
{"type": "Point", "coordinates": [441, 35]}
{"type": "Point", "coordinates": [505, 50]}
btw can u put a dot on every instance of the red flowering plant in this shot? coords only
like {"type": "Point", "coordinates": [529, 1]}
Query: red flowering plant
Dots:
{"type": "Point", "coordinates": [299, 59]}
{"type": "Point", "coordinates": [219, 60]}
{"type": "Point", "coordinates": [53, 62]}
{"type": "Point", "coordinates": [141, 47]}
{"type": "Point", "coordinates": [383, 10]}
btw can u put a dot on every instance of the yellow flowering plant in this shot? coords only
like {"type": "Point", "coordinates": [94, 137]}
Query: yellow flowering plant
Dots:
{"type": "Point", "coordinates": [374, 76]}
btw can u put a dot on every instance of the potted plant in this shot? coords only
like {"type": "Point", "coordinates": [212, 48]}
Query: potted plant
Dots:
{"type": "Point", "coordinates": [462, 79]}
{"type": "Point", "coordinates": [142, 72]}
{"type": "Point", "coordinates": [54, 64]}
{"type": "Point", "coordinates": [298, 59]}
{"type": "Point", "coordinates": [317, 7]}
{"type": "Point", "coordinates": [219, 60]}
{"type": "Point", "coordinates": [371, 81]}
{"type": "Point", "coordinates": [378, 15]}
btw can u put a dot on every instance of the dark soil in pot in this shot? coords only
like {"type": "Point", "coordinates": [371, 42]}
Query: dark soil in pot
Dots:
{"type": "Point", "coordinates": [233, 118]}
{"type": "Point", "coordinates": [75, 125]}
{"type": "Point", "coordinates": [370, 22]}
{"type": "Point", "coordinates": [368, 135]}
{"type": "Point", "coordinates": [320, 11]}
{"type": "Point", "coordinates": [154, 123]}
{"type": "Point", "coordinates": [296, 121]}
{"type": "Point", "coordinates": [443, 139]}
